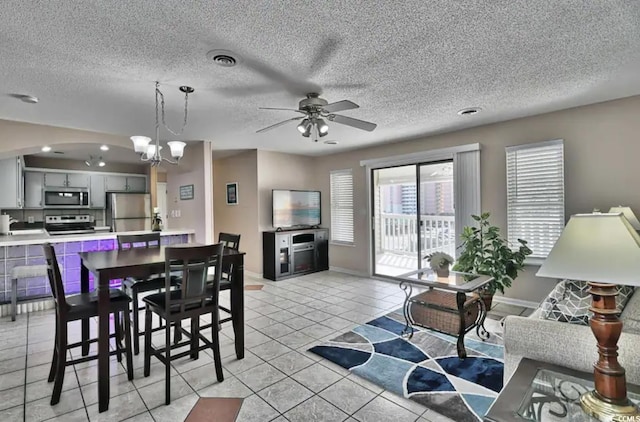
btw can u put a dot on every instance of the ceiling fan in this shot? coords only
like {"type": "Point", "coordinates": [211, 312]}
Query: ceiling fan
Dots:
{"type": "Point", "coordinates": [314, 110]}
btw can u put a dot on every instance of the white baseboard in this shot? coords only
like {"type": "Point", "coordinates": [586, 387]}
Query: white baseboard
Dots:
{"type": "Point", "coordinates": [348, 271]}
{"type": "Point", "coordinates": [252, 274]}
{"type": "Point", "coordinates": [25, 307]}
{"type": "Point", "coordinates": [516, 302]}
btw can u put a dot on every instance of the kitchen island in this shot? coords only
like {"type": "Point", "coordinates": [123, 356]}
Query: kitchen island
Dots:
{"type": "Point", "coordinates": [26, 249]}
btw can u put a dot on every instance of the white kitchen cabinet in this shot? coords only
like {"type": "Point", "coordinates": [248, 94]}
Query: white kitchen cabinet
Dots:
{"type": "Point", "coordinates": [116, 183]}
{"type": "Point", "coordinates": [77, 180]}
{"type": "Point", "coordinates": [136, 184]}
{"type": "Point", "coordinates": [56, 180]}
{"type": "Point", "coordinates": [11, 177]}
{"type": "Point", "coordinates": [98, 191]}
{"type": "Point", "coordinates": [33, 184]}
{"type": "Point", "coordinates": [126, 183]}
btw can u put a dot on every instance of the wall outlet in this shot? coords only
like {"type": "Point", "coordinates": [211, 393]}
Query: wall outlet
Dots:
{"type": "Point", "coordinates": [31, 219]}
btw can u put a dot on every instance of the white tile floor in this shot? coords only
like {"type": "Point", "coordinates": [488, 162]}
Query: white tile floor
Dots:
{"type": "Point", "coordinates": [278, 378]}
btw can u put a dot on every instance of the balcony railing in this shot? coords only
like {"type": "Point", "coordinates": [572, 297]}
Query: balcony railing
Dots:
{"type": "Point", "coordinates": [399, 234]}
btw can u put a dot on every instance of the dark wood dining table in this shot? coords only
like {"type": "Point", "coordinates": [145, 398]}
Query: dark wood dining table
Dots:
{"type": "Point", "coordinates": [143, 262]}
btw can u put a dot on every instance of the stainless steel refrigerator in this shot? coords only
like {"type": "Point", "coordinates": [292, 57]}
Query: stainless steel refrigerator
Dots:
{"type": "Point", "coordinates": [128, 211]}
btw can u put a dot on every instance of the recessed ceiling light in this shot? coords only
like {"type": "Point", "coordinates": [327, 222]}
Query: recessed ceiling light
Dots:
{"type": "Point", "coordinates": [46, 148]}
{"type": "Point", "coordinates": [104, 148]}
{"type": "Point", "coordinates": [470, 111]}
{"type": "Point", "coordinates": [331, 142]}
{"type": "Point", "coordinates": [224, 58]}
{"type": "Point", "coordinates": [101, 164]}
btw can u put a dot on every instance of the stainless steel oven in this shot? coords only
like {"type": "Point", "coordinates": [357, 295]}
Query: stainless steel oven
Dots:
{"type": "Point", "coordinates": [66, 198]}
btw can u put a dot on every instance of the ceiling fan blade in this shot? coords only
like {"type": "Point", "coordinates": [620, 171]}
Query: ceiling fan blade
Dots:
{"type": "Point", "coordinates": [278, 124]}
{"type": "Point", "coordinates": [350, 121]}
{"type": "Point", "coordinates": [327, 49]}
{"type": "Point", "coordinates": [340, 106]}
{"type": "Point", "coordinates": [283, 109]}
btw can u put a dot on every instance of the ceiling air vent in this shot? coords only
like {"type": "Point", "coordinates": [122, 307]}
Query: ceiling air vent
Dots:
{"type": "Point", "coordinates": [223, 58]}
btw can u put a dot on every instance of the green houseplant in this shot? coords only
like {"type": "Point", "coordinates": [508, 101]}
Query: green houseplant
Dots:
{"type": "Point", "coordinates": [484, 251]}
{"type": "Point", "coordinates": [440, 262]}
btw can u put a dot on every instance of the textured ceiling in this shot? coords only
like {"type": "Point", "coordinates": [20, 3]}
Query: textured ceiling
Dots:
{"type": "Point", "coordinates": [410, 65]}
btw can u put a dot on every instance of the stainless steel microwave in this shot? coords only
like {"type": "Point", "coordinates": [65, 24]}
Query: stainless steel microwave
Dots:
{"type": "Point", "coordinates": [66, 198]}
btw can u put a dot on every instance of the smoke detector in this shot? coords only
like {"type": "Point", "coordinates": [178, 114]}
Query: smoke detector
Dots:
{"type": "Point", "coordinates": [224, 58]}
{"type": "Point", "coordinates": [470, 111]}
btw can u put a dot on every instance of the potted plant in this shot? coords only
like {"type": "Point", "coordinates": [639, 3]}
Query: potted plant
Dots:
{"type": "Point", "coordinates": [484, 251]}
{"type": "Point", "coordinates": [440, 262]}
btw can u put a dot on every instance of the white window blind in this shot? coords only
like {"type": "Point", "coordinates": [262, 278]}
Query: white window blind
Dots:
{"type": "Point", "coordinates": [342, 206]}
{"type": "Point", "coordinates": [535, 195]}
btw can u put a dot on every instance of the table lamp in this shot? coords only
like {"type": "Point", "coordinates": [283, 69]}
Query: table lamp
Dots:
{"type": "Point", "coordinates": [604, 250]}
{"type": "Point", "coordinates": [628, 214]}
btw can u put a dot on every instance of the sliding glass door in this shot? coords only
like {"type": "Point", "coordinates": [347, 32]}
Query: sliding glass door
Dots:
{"type": "Point", "coordinates": [413, 215]}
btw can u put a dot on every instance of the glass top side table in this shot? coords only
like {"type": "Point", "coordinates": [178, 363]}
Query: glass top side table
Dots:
{"type": "Point", "coordinates": [445, 306]}
{"type": "Point", "coordinates": [543, 392]}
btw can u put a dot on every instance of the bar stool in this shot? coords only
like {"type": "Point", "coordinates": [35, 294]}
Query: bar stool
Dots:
{"type": "Point", "coordinates": [20, 272]}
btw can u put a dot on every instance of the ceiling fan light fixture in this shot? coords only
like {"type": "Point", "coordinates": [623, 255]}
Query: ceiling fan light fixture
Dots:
{"type": "Point", "coordinates": [323, 127]}
{"type": "Point", "coordinates": [304, 126]}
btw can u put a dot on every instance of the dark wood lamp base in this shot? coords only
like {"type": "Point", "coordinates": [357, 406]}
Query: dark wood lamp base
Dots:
{"type": "Point", "coordinates": [609, 402]}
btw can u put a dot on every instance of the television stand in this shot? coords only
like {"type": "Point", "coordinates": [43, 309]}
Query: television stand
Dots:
{"type": "Point", "coordinates": [294, 252]}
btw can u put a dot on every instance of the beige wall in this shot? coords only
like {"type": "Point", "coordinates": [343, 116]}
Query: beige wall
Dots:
{"type": "Point", "coordinates": [243, 217]}
{"type": "Point", "coordinates": [257, 174]}
{"type": "Point", "coordinates": [601, 170]}
{"type": "Point", "coordinates": [190, 171]}
{"type": "Point", "coordinates": [63, 164]}
{"type": "Point", "coordinates": [18, 138]}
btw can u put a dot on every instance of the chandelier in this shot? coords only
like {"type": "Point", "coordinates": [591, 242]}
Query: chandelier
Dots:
{"type": "Point", "coordinates": [149, 151]}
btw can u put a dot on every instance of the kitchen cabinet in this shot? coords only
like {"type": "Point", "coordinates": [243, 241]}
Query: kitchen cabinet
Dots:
{"type": "Point", "coordinates": [98, 191]}
{"type": "Point", "coordinates": [33, 183]}
{"type": "Point", "coordinates": [136, 183]}
{"type": "Point", "coordinates": [116, 183]}
{"type": "Point", "coordinates": [66, 180]}
{"type": "Point", "coordinates": [56, 180]}
{"type": "Point", "coordinates": [11, 177]}
{"type": "Point", "coordinates": [126, 183]}
{"type": "Point", "coordinates": [77, 180]}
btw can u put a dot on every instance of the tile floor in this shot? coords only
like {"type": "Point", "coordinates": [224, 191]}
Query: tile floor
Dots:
{"type": "Point", "coordinates": [278, 379]}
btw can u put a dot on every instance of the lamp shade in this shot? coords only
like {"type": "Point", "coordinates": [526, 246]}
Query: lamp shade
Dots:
{"type": "Point", "coordinates": [177, 148]}
{"type": "Point", "coordinates": [601, 248]}
{"type": "Point", "coordinates": [628, 214]}
{"type": "Point", "coordinates": [140, 143]}
{"type": "Point", "coordinates": [151, 150]}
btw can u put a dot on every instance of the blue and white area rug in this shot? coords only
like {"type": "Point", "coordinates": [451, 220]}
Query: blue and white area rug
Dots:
{"type": "Point", "coordinates": [425, 368]}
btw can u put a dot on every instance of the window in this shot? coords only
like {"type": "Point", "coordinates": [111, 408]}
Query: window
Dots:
{"type": "Point", "coordinates": [342, 206]}
{"type": "Point", "coordinates": [535, 195]}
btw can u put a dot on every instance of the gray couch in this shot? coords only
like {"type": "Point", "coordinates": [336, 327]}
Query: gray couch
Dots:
{"type": "Point", "coordinates": [569, 345]}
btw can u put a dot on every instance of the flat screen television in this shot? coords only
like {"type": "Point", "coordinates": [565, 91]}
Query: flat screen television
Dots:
{"type": "Point", "coordinates": [294, 208]}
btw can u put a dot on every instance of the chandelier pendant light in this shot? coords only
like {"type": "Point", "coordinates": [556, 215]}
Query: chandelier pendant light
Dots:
{"type": "Point", "coordinates": [150, 152]}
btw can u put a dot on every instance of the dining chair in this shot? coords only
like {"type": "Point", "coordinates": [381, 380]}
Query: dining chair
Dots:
{"type": "Point", "coordinates": [77, 307]}
{"type": "Point", "coordinates": [194, 297]}
{"type": "Point", "coordinates": [134, 286]}
{"type": "Point", "coordinates": [230, 241]}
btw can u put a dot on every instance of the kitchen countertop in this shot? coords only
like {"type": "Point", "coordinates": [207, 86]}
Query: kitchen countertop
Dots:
{"type": "Point", "coordinates": [36, 239]}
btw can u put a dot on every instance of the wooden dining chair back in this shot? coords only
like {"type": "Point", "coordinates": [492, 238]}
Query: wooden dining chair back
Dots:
{"type": "Point", "coordinates": [133, 286]}
{"type": "Point", "coordinates": [55, 278]}
{"type": "Point", "coordinates": [196, 295]}
{"type": "Point", "coordinates": [76, 307]}
{"type": "Point", "coordinates": [230, 240]}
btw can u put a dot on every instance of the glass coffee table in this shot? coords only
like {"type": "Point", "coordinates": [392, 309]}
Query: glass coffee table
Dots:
{"type": "Point", "coordinates": [543, 392]}
{"type": "Point", "coordinates": [446, 306]}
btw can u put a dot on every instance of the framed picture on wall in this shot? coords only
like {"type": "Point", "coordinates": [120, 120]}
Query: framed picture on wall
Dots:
{"type": "Point", "coordinates": [232, 193]}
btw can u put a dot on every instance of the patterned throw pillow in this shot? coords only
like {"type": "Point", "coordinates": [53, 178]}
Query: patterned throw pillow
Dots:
{"type": "Point", "coordinates": [570, 301]}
